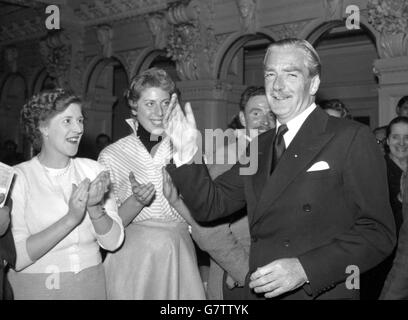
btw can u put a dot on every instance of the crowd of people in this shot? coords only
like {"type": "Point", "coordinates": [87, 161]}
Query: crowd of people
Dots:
{"type": "Point", "coordinates": [324, 197]}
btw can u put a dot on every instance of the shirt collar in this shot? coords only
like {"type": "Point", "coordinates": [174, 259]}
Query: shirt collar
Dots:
{"type": "Point", "coordinates": [132, 122]}
{"type": "Point", "coordinates": [295, 123]}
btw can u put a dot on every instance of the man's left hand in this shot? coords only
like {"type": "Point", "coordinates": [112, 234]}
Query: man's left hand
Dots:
{"type": "Point", "coordinates": [278, 277]}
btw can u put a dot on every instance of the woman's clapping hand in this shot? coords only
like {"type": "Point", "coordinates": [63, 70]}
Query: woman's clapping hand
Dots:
{"type": "Point", "coordinates": [78, 201]}
{"type": "Point", "coordinates": [97, 189]}
{"type": "Point", "coordinates": [143, 193]}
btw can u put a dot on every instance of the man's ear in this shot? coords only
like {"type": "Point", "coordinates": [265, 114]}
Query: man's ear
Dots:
{"type": "Point", "coordinates": [314, 85]}
{"type": "Point", "coordinates": [242, 118]}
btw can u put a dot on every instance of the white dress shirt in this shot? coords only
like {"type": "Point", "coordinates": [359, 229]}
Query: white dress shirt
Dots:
{"type": "Point", "coordinates": [295, 124]}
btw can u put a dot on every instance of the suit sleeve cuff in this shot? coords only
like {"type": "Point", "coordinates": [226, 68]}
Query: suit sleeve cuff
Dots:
{"type": "Point", "coordinates": [184, 157]}
{"type": "Point", "coordinates": [113, 238]}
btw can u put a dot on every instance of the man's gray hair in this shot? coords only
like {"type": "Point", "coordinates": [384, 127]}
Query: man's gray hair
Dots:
{"type": "Point", "coordinates": [312, 57]}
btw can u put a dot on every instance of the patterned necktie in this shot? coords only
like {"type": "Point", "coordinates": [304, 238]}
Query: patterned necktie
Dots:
{"type": "Point", "coordinates": [278, 145]}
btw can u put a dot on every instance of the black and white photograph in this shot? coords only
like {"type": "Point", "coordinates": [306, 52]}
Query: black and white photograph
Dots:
{"type": "Point", "coordinates": [204, 156]}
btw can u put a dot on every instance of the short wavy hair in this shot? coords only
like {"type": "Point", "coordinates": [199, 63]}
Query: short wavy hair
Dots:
{"type": "Point", "coordinates": [41, 108]}
{"type": "Point", "coordinates": [250, 92]}
{"type": "Point", "coordinates": [399, 119]}
{"type": "Point", "coordinates": [153, 77]}
{"type": "Point", "coordinates": [337, 105]}
{"type": "Point", "coordinates": [400, 103]}
{"type": "Point", "coordinates": [313, 62]}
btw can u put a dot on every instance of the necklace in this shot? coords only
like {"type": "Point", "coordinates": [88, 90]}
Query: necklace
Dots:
{"type": "Point", "coordinates": [52, 174]}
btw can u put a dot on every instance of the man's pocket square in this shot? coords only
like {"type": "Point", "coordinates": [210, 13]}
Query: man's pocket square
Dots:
{"type": "Point", "coordinates": [318, 166]}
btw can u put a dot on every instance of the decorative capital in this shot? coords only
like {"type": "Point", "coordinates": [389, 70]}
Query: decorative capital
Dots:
{"type": "Point", "coordinates": [247, 15]}
{"type": "Point", "coordinates": [333, 9]}
{"type": "Point", "coordinates": [55, 50]}
{"type": "Point", "coordinates": [11, 56]}
{"type": "Point", "coordinates": [191, 41]}
{"type": "Point", "coordinates": [159, 27]}
{"type": "Point", "coordinates": [104, 34]}
{"type": "Point", "coordinates": [388, 16]}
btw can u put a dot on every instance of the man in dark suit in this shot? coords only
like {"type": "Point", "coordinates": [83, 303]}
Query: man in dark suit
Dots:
{"type": "Point", "coordinates": [318, 203]}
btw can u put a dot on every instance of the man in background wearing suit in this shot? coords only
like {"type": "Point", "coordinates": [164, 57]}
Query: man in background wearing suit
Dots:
{"type": "Point", "coordinates": [318, 203]}
{"type": "Point", "coordinates": [228, 242]}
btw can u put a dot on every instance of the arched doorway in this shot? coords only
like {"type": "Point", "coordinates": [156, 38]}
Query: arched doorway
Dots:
{"type": "Point", "coordinates": [13, 97]}
{"type": "Point", "coordinates": [120, 110]}
{"type": "Point", "coordinates": [105, 108]}
{"type": "Point", "coordinates": [159, 59]}
{"type": "Point", "coordinates": [43, 81]}
{"type": "Point", "coordinates": [242, 66]}
{"type": "Point", "coordinates": [347, 62]}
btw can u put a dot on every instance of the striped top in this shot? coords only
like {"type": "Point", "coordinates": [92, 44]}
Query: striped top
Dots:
{"type": "Point", "coordinates": [129, 154]}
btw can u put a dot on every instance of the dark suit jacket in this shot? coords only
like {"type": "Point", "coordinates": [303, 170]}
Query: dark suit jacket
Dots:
{"type": "Point", "coordinates": [328, 219]}
{"type": "Point", "coordinates": [7, 259]}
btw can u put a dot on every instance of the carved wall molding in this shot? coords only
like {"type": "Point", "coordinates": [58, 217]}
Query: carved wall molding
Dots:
{"type": "Point", "coordinates": [390, 19]}
{"type": "Point", "coordinates": [205, 89]}
{"type": "Point", "coordinates": [289, 30]}
{"type": "Point", "coordinates": [96, 12]}
{"type": "Point", "coordinates": [22, 30]}
{"type": "Point", "coordinates": [333, 9]}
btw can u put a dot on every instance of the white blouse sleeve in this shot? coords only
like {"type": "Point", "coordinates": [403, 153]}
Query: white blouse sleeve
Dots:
{"type": "Point", "coordinates": [19, 226]}
{"type": "Point", "coordinates": [113, 239]}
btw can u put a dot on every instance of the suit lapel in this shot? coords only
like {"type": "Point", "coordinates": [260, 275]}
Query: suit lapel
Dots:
{"type": "Point", "coordinates": [306, 145]}
{"type": "Point", "coordinates": [264, 164]}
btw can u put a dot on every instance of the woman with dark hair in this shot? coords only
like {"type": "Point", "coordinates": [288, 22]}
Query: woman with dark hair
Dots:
{"type": "Point", "coordinates": [396, 284]}
{"type": "Point", "coordinates": [158, 259]}
{"type": "Point", "coordinates": [60, 215]}
{"type": "Point", "coordinates": [397, 162]}
{"type": "Point", "coordinates": [402, 107]}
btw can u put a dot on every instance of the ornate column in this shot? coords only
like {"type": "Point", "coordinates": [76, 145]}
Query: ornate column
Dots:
{"type": "Point", "coordinates": [192, 45]}
{"type": "Point", "coordinates": [56, 54]}
{"type": "Point", "coordinates": [390, 19]}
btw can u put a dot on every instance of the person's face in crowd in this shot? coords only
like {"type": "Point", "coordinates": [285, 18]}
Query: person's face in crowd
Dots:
{"type": "Point", "coordinates": [403, 110]}
{"type": "Point", "coordinates": [63, 132]}
{"type": "Point", "coordinates": [289, 89]}
{"type": "Point", "coordinates": [380, 136]}
{"type": "Point", "coordinates": [334, 113]}
{"type": "Point", "coordinates": [398, 141]}
{"type": "Point", "coordinates": [258, 115]}
{"type": "Point", "coordinates": [150, 109]}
